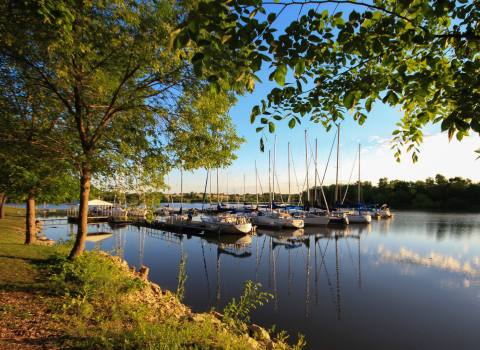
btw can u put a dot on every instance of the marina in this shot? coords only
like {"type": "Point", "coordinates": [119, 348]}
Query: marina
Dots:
{"type": "Point", "coordinates": [327, 279]}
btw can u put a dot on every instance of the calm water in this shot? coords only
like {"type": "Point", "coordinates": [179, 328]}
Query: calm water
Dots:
{"type": "Point", "coordinates": [412, 282]}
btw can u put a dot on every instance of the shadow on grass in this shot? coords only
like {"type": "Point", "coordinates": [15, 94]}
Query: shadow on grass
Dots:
{"type": "Point", "coordinates": [46, 341]}
{"type": "Point", "coordinates": [41, 283]}
{"type": "Point", "coordinates": [41, 288]}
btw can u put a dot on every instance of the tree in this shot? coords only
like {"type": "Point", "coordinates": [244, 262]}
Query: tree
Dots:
{"type": "Point", "coordinates": [109, 65]}
{"type": "Point", "coordinates": [421, 56]}
{"type": "Point", "coordinates": [33, 167]}
{"type": "Point", "coordinates": [4, 186]}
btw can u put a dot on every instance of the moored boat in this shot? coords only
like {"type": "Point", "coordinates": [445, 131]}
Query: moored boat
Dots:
{"type": "Point", "coordinates": [359, 218]}
{"type": "Point", "coordinates": [276, 220]}
{"type": "Point", "coordinates": [382, 213]}
{"type": "Point", "coordinates": [228, 223]}
{"type": "Point", "coordinates": [338, 218]}
{"type": "Point", "coordinates": [312, 218]}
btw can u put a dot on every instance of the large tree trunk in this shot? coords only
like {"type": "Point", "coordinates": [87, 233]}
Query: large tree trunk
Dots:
{"type": "Point", "coordinates": [30, 217]}
{"type": "Point", "coordinates": [79, 245]}
{"type": "Point", "coordinates": [3, 200]}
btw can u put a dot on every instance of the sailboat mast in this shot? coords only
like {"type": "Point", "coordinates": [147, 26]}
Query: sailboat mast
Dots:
{"type": "Point", "coordinates": [306, 167]}
{"type": "Point", "coordinates": [288, 199]}
{"type": "Point", "coordinates": [273, 166]}
{"type": "Point", "coordinates": [244, 193]}
{"type": "Point", "coordinates": [218, 195]}
{"type": "Point", "coordinates": [210, 185]}
{"type": "Point", "coordinates": [315, 175]}
{"type": "Point", "coordinates": [256, 181]}
{"type": "Point", "coordinates": [337, 194]}
{"type": "Point", "coordinates": [359, 185]}
{"type": "Point", "coordinates": [181, 187]}
{"type": "Point", "coordinates": [269, 184]}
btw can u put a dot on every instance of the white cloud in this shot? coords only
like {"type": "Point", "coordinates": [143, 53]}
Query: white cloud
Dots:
{"type": "Point", "coordinates": [437, 156]}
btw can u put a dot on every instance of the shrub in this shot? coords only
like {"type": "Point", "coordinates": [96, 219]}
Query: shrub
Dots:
{"type": "Point", "coordinates": [252, 297]}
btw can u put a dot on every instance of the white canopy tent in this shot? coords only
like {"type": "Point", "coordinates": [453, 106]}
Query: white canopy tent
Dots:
{"type": "Point", "coordinates": [99, 203]}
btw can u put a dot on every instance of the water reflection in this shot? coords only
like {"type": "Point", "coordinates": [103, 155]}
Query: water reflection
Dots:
{"type": "Point", "coordinates": [338, 286]}
{"type": "Point", "coordinates": [434, 259]}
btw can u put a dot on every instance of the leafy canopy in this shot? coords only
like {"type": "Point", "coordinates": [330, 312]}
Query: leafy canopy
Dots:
{"type": "Point", "coordinates": [31, 159]}
{"type": "Point", "coordinates": [340, 57]}
{"type": "Point", "coordinates": [121, 90]}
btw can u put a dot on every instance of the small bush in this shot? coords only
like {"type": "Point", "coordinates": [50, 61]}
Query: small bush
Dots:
{"type": "Point", "coordinates": [182, 278]}
{"type": "Point", "coordinates": [92, 276]}
{"type": "Point", "coordinates": [252, 297]}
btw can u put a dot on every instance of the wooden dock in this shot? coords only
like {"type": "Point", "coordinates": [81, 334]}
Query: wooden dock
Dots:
{"type": "Point", "coordinates": [90, 219]}
{"type": "Point", "coordinates": [188, 227]}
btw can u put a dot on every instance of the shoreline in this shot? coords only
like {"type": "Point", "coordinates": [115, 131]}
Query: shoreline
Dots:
{"type": "Point", "coordinates": [36, 281]}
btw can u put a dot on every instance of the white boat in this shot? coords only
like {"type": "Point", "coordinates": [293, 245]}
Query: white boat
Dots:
{"type": "Point", "coordinates": [276, 220]}
{"type": "Point", "coordinates": [383, 213]}
{"type": "Point", "coordinates": [359, 218]}
{"type": "Point", "coordinates": [173, 219]}
{"type": "Point", "coordinates": [312, 218]}
{"type": "Point", "coordinates": [164, 211]}
{"type": "Point", "coordinates": [138, 213]}
{"type": "Point", "coordinates": [228, 224]}
{"type": "Point", "coordinates": [338, 218]}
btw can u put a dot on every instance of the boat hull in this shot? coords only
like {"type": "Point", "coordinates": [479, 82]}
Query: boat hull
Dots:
{"type": "Point", "coordinates": [359, 219]}
{"type": "Point", "coordinates": [231, 228]}
{"type": "Point", "coordinates": [266, 221]}
{"type": "Point", "coordinates": [338, 220]}
{"type": "Point", "coordinates": [316, 220]}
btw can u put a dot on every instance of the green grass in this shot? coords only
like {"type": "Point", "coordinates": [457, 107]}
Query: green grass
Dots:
{"type": "Point", "coordinates": [96, 302]}
{"type": "Point", "coordinates": [19, 263]}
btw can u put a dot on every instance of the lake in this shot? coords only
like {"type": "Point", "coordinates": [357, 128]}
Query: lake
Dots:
{"type": "Point", "coordinates": [411, 282]}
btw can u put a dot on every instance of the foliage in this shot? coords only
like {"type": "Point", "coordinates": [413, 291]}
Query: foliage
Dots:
{"type": "Point", "coordinates": [29, 150]}
{"type": "Point", "coordinates": [182, 277]}
{"type": "Point", "coordinates": [122, 96]}
{"type": "Point", "coordinates": [120, 315]}
{"type": "Point", "coordinates": [125, 95]}
{"type": "Point", "coordinates": [333, 58]}
{"type": "Point", "coordinates": [91, 277]}
{"type": "Point", "coordinates": [439, 193]}
{"type": "Point", "coordinates": [252, 297]}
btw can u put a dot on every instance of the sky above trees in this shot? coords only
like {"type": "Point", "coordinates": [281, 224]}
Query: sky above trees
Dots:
{"type": "Point", "coordinates": [437, 154]}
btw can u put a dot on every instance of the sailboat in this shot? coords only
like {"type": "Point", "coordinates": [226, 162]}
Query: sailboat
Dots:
{"type": "Point", "coordinates": [228, 223]}
{"type": "Point", "coordinates": [382, 213]}
{"type": "Point", "coordinates": [273, 218]}
{"type": "Point", "coordinates": [338, 217]}
{"type": "Point", "coordinates": [357, 217]}
{"type": "Point", "coordinates": [315, 217]}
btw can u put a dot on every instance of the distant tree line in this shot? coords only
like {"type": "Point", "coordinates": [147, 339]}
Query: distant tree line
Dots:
{"type": "Point", "coordinates": [438, 193]}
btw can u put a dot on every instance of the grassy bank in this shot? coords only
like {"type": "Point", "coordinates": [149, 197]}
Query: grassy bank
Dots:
{"type": "Point", "coordinates": [98, 302]}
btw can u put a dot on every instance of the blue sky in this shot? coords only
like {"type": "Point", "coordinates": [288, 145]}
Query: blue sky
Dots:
{"type": "Point", "coordinates": [437, 154]}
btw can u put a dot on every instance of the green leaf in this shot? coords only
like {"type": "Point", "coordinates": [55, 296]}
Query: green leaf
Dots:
{"type": "Point", "coordinates": [262, 145]}
{"type": "Point", "coordinates": [349, 99]}
{"type": "Point", "coordinates": [250, 84]}
{"type": "Point", "coordinates": [255, 112]}
{"type": "Point", "coordinates": [368, 104]}
{"type": "Point", "coordinates": [291, 123]}
{"type": "Point", "coordinates": [271, 127]}
{"type": "Point", "coordinates": [271, 17]}
{"type": "Point", "coordinates": [280, 74]}
{"type": "Point", "coordinates": [300, 67]}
